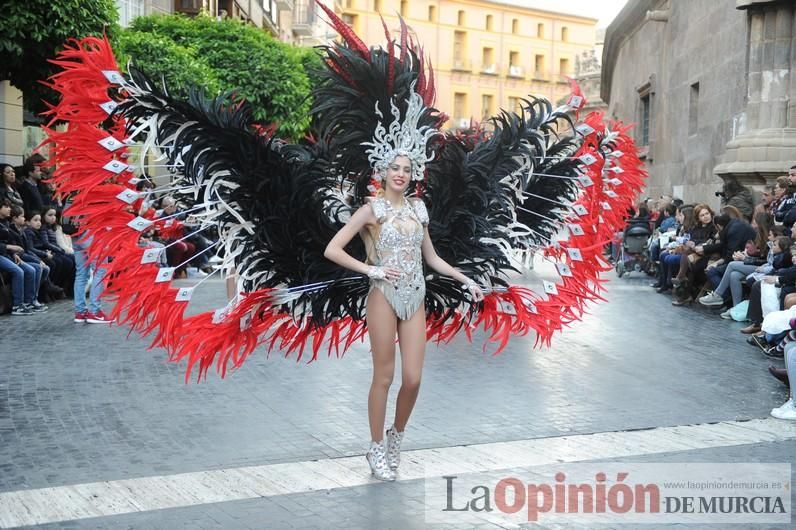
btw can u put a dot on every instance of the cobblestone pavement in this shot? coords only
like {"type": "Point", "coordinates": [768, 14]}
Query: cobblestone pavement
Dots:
{"type": "Point", "coordinates": [85, 403]}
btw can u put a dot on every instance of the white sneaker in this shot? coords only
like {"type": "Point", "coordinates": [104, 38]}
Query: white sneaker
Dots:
{"type": "Point", "coordinates": [727, 315]}
{"type": "Point", "coordinates": [786, 412]}
{"type": "Point", "coordinates": [711, 299]}
{"type": "Point", "coordinates": [377, 460]}
{"type": "Point", "coordinates": [394, 439]}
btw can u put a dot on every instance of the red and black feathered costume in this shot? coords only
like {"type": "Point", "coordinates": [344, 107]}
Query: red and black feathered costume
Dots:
{"type": "Point", "coordinates": [534, 181]}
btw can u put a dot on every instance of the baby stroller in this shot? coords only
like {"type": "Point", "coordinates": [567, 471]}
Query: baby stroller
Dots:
{"type": "Point", "coordinates": [633, 255]}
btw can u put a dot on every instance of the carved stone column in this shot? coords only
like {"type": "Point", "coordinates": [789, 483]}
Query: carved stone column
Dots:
{"type": "Point", "coordinates": [765, 147]}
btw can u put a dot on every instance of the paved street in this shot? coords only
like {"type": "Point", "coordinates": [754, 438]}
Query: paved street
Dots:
{"type": "Point", "coordinates": [85, 404]}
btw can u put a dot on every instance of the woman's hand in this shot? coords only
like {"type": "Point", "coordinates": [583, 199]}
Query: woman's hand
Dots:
{"type": "Point", "coordinates": [476, 293]}
{"type": "Point", "coordinates": [738, 255]}
{"type": "Point", "coordinates": [389, 274]}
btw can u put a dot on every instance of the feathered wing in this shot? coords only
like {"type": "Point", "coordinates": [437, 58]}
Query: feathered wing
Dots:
{"type": "Point", "coordinates": [274, 205]}
{"type": "Point", "coordinates": [535, 182]}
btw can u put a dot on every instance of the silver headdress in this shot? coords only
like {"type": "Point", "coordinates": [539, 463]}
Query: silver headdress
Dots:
{"type": "Point", "coordinates": [403, 138]}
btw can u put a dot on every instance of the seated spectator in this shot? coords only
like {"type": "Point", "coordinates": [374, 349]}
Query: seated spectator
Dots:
{"type": "Point", "coordinates": [183, 249]}
{"type": "Point", "coordinates": [29, 254]}
{"type": "Point", "coordinates": [784, 277]}
{"type": "Point", "coordinates": [739, 269]}
{"type": "Point", "coordinates": [670, 257]}
{"type": "Point", "coordinates": [736, 195]}
{"type": "Point", "coordinates": [8, 186]}
{"type": "Point", "coordinates": [733, 237]}
{"type": "Point", "coordinates": [666, 222]}
{"type": "Point", "coordinates": [787, 411]}
{"type": "Point", "coordinates": [62, 265]}
{"type": "Point", "coordinates": [785, 212]}
{"type": "Point", "coordinates": [694, 260]}
{"type": "Point", "coordinates": [23, 276]}
{"type": "Point", "coordinates": [29, 187]}
{"type": "Point", "coordinates": [766, 198]}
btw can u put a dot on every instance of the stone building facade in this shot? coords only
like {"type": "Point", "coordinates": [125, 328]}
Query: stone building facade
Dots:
{"type": "Point", "coordinates": [709, 85]}
{"type": "Point", "coordinates": [487, 54]}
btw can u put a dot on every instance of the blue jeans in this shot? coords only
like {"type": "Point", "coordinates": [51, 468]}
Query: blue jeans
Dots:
{"type": "Point", "coordinates": [23, 280]}
{"type": "Point", "coordinates": [670, 264]}
{"type": "Point", "coordinates": [715, 274]}
{"type": "Point", "coordinates": [42, 273]}
{"type": "Point", "coordinates": [733, 278]}
{"type": "Point", "coordinates": [83, 270]}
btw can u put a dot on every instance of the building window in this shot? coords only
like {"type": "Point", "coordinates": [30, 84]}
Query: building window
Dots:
{"type": "Point", "coordinates": [349, 4]}
{"type": "Point", "coordinates": [459, 48]}
{"type": "Point", "coordinates": [130, 9]}
{"type": "Point", "coordinates": [644, 130]}
{"type": "Point", "coordinates": [488, 61]}
{"type": "Point", "coordinates": [486, 106]}
{"type": "Point", "coordinates": [351, 20]}
{"type": "Point", "coordinates": [514, 104]}
{"type": "Point", "coordinates": [540, 30]}
{"type": "Point", "coordinates": [514, 58]}
{"type": "Point", "coordinates": [693, 110]}
{"type": "Point", "coordinates": [489, 23]}
{"type": "Point", "coordinates": [404, 8]}
{"type": "Point", "coordinates": [515, 26]}
{"type": "Point", "coordinates": [377, 5]}
{"type": "Point", "coordinates": [538, 66]}
{"type": "Point", "coordinates": [460, 113]}
{"type": "Point", "coordinates": [563, 66]}
{"type": "Point", "coordinates": [564, 34]}
{"type": "Point", "coordinates": [460, 20]}
{"type": "Point", "coordinates": [432, 13]}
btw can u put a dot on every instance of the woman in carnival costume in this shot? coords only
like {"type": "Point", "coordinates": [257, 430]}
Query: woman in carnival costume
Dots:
{"type": "Point", "coordinates": [287, 215]}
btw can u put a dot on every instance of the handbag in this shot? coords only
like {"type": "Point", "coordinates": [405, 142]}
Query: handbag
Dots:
{"type": "Point", "coordinates": [769, 298]}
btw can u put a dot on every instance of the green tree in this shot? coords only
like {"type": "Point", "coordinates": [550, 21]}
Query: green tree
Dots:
{"type": "Point", "coordinates": [33, 31]}
{"type": "Point", "coordinates": [225, 55]}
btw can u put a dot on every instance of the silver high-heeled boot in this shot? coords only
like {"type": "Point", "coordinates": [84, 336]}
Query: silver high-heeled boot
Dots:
{"type": "Point", "coordinates": [394, 439]}
{"type": "Point", "coordinates": [378, 463]}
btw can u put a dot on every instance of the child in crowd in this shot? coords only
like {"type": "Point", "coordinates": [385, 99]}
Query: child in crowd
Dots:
{"type": "Point", "coordinates": [23, 275]}
{"type": "Point", "coordinates": [30, 255]}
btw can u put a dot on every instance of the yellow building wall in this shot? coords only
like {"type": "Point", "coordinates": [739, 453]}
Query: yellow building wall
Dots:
{"type": "Point", "coordinates": [512, 29]}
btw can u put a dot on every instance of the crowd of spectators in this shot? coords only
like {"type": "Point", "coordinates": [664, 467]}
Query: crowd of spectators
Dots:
{"type": "Point", "coordinates": [741, 259]}
{"type": "Point", "coordinates": [44, 256]}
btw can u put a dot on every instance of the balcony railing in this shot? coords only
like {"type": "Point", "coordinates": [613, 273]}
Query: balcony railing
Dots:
{"type": "Point", "coordinates": [303, 17]}
{"type": "Point", "coordinates": [462, 65]}
{"type": "Point", "coordinates": [516, 71]}
{"type": "Point", "coordinates": [489, 69]}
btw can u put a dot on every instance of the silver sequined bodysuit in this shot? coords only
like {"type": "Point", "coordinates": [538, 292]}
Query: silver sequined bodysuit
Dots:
{"type": "Point", "coordinates": [396, 243]}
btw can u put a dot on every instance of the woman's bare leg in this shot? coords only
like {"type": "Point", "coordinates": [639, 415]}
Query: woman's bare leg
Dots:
{"type": "Point", "coordinates": [382, 324]}
{"type": "Point", "coordinates": [412, 340]}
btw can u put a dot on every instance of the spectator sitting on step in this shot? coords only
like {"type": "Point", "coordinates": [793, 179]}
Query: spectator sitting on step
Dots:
{"type": "Point", "coordinates": [740, 269]}
{"type": "Point", "coordinates": [786, 213]}
{"type": "Point", "coordinates": [62, 265]}
{"type": "Point", "coordinates": [670, 257]}
{"type": "Point", "coordinates": [8, 185]}
{"type": "Point", "coordinates": [693, 259]}
{"type": "Point", "coordinates": [784, 277]}
{"type": "Point", "coordinates": [29, 187]}
{"type": "Point", "coordinates": [732, 238]}
{"type": "Point", "coordinates": [766, 199]}
{"type": "Point", "coordinates": [30, 255]}
{"type": "Point", "coordinates": [23, 276]}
